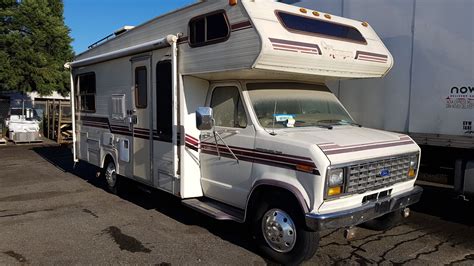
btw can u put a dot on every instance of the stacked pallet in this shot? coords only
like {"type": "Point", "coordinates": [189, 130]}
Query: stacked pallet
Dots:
{"type": "Point", "coordinates": [58, 121]}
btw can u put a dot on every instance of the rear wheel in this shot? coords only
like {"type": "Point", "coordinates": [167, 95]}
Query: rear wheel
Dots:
{"type": "Point", "coordinates": [385, 222]}
{"type": "Point", "coordinates": [281, 235]}
{"type": "Point", "coordinates": [111, 177]}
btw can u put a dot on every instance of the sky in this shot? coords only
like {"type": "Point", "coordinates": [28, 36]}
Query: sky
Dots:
{"type": "Point", "coordinates": [92, 20]}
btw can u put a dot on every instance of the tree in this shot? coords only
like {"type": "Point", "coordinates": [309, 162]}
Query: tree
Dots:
{"type": "Point", "coordinates": [35, 44]}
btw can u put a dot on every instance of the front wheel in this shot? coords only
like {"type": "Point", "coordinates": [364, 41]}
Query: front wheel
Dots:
{"type": "Point", "coordinates": [111, 177]}
{"type": "Point", "coordinates": [282, 237]}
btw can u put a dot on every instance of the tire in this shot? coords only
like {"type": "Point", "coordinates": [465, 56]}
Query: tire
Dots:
{"type": "Point", "coordinates": [296, 245]}
{"type": "Point", "coordinates": [385, 222]}
{"type": "Point", "coordinates": [112, 179]}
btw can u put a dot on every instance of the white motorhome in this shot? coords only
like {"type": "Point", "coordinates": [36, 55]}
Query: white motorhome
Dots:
{"type": "Point", "coordinates": [223, 104]}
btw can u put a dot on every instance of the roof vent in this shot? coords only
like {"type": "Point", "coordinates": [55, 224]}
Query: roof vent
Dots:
{"type": "Point", "coordinates": [123, 29]}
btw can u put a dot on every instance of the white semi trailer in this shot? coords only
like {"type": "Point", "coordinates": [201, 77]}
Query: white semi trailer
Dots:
{"type": "Point", "coordinates": [429, 93]}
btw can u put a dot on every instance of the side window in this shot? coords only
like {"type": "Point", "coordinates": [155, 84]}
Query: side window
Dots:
{"type": "Point", "coordinates": [164, 99]}
{"type": "Point", "coordinates": [209, 29]}
{"type": "Point", "coordinates": [85, 97]}
{"type": "Point", "coordinates": [228, 107]}
{"type": "Point", "coordinates": [141, 87]}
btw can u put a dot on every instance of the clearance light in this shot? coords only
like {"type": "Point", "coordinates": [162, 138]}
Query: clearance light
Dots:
{"type": "Point", "coordinates": [327, 16]}
{"type": "Point", "coordinates": [304, 168]}
{"type": "Point", "coordinates": [232, 2]}
{"type": "Point", "coordinates": [365, 24]}
{"type": "Point", "coordinates": [303, 10]}
{"type": "Point", "coordinates": [316, 13]}
{"type": "Point", "coordinates": [334, 191]}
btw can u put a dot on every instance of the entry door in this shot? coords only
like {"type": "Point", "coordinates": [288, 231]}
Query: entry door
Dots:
{"type": "Point", "coordinates": [225, 178]}
{"type": "Point", "coordinates": [141, 91]}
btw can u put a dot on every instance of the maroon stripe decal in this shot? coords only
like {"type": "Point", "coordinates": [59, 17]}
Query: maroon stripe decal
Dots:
{"type": "Point", "coordinates": [310, 52]}
{"type": "Point", "coordinates": [241, 25]}
{"type": "Point", "coordinates": [260, 156]}
{"type": "Point", "coordinates": [372, 60]}
{"type": "Point", "coordinates": [292, 47]}
{"type": "Point", "coordinates": [94, 125]}
{"type": "Point", "coordinates": [279, 155]}
{"type": "Point", "coordinates": [252, 159]}
{"type": "Point", "coordinates": [191, 141]}
{"type": "Point", "coordinates": [373, 147]}
{"type": "Point", "coordinates": [191, 137]}
{"type": "Point", "coordinates": [95, 119]}
{"type": "Point", "coordinates": [194, 148]}
{"type": "Point", "coordinates": [303, 44]}
{"type": "Point", "coordinates": [370, 54]}
{"type": "Point", "coordinates": [328, 146]}
{"type": "Point", "coordinates": [287, 50]}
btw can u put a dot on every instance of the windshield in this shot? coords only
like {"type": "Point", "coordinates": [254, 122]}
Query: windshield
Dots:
{"type": "Point", "coordinates": [284, 105]}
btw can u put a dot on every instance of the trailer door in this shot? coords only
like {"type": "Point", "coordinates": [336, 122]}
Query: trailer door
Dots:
{"type": "Point", "coordinates": [141, 91]}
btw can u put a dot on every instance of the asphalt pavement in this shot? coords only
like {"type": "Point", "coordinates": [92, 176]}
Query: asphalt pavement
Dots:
{"type": "Point", "coordinates": [52, 213]}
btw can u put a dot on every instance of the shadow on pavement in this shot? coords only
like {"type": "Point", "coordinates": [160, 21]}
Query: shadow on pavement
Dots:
{"type": "Point", "coordinates": [445, 204]}
{"type": "Point", "coordinates": [163, 202]}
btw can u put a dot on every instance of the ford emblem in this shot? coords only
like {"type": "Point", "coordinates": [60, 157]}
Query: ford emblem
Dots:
{"type": "Point", "coordinates": [384, 173]}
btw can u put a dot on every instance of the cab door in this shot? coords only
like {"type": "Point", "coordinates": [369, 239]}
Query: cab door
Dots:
{"type": "Point", "coordinates": [226, 163]}
{"type": "Point", "coordinates": [142, 135]}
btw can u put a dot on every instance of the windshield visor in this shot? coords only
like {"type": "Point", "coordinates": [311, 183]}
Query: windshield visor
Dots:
{"type": "Point", "coordinates": [288, 105]}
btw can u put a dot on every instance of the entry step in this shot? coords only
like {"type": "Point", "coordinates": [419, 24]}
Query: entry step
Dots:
{"type": "Point", "coordinates": [215, 209]}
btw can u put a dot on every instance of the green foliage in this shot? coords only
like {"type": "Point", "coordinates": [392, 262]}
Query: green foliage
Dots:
{"type": "Point", "coordinates": [35, 44]}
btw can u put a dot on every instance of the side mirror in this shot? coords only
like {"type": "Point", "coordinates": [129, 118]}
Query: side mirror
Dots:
{"type": "Point", "coordinates": [204, 118]}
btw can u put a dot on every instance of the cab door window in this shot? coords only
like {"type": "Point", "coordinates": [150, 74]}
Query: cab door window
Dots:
{"type": "Point", "coordinates": [228, 107]}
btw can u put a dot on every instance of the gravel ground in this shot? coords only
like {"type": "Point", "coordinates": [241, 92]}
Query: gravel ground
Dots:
{"type": "Point", "coordinates": [51, 213]}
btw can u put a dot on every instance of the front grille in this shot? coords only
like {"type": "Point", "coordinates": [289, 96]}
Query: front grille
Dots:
{"type": "Point", "coordinates": [373, 175]}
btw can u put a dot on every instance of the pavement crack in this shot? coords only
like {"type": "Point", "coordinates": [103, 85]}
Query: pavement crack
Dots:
{"type": "Point", "coordinates": [379, 236]}
{"type": "Point", "coordinates": [469, 257]}
{"type": "Point", "coordinates": [18, 257]}
{"type": "Point", "coordinates": [90, 212]}
{"type": "Point", "coordinates": [330, 233]}
{"type": "Point", "coordinates": [25, 213]}
{"type": "Point", "coordinates": [385, 253]}
{"type": "Point", "coordinates": [125, 242]}
{"type": "Point", "coordinates": [434, 250]}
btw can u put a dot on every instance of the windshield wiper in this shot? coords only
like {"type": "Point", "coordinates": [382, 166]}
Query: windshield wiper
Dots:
{"type": "Point", "coordinates": [340, 122]}
{"type": "Point", "coordinates": [324, 126]}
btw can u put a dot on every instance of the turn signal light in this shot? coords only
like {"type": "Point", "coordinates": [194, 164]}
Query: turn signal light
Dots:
{"type": "Point", "coordinates": [334, 191]}
{"type": "Point", "coordinates": [411, 172]}
{"type": "Point", "coordinates": [232, 2]}
{"type": "Point", "coordinates": [304, 168]}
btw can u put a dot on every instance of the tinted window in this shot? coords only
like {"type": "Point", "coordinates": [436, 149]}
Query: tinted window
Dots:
{"type": "Point", "coordinates": [164, 99]}
{"type": "Point", "coordinates": [216, 27]}
{"type": "Point", "coordinates": [320, 27]}
{"type": "Point", "coordinates": [208, 29]}
{"type": "Point", "coordinates": [86, 92]}
{"type": "Point", "coordinates": [228, 108]}
{"type": "Point", "coordinates": [141, 85]}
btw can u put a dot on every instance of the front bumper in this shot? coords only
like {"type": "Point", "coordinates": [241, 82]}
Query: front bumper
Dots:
{"type": "Point", "coordinates": [364, 213]}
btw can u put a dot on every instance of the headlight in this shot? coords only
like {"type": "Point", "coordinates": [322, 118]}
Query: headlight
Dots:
{"type": "Point", "coordinates": [335, 177]}
{"type": "Point", "coordinates": [413, 167]}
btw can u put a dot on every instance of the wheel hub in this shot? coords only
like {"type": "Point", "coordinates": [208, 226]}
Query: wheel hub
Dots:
{"type": "Point", "coordinates": [279, 230]}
